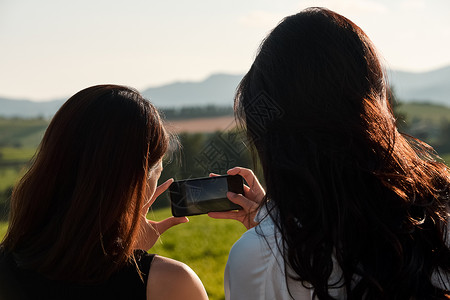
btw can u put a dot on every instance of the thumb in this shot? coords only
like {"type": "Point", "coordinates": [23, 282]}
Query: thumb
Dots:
{"type": "Point", "coordinates": [165, 224]}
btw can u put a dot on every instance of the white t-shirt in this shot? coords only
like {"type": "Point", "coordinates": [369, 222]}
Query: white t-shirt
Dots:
{"type": "Point", "coordinates": [255, 269]}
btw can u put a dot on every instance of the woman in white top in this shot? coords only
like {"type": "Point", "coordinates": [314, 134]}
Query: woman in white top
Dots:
{"type": "Point", "coordinates": [354, 209]}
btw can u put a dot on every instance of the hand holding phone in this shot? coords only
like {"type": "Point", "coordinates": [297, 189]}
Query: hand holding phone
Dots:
{"type": "Point", "coordinates": [250, 201]}
{"type": "Point", "coordinates": [203, 195]}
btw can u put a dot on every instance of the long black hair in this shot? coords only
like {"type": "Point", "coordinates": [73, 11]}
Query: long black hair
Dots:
{"type": "Point", "coordinates": [75, 215]}
{"type": "Point", "coordinates": [345, 185]}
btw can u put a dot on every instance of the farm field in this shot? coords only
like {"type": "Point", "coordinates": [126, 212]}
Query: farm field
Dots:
{"type": "Point", "coordinates": [203, 244]}
{"type": "Point", "coordinates": [22, 133]}
{"type": "Point", "coordinates": [205, 125]}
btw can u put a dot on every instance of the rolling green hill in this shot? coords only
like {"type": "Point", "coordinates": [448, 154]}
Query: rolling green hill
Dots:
{"type": "Point", "coordinates": [27, 133]}
{"type": "Point", "coordinates": [21, 133]}
{"type": "Point", "coordinates": [425, 111]}
{"type": "Point", "coordinates": [20, 137]}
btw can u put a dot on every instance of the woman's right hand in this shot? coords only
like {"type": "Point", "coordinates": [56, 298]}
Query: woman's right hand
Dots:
{"type": "Point", "coordinates": [253, 195]}
{"type": "Point", "coordinates": [151, 230]}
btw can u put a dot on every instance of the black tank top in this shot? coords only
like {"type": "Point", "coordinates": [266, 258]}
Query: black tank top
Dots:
{"type": "Point", "coordinates": [19, 284]}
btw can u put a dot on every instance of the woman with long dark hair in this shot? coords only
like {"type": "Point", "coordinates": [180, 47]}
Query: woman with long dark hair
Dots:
{"type": "Point", "coordinates": [78, 226]}
{"type": "Point", "coordinates": [353, 208]}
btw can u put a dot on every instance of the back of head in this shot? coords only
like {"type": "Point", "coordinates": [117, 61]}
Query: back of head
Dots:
{"type": "Point", "coordinates": [344, 181]}
{"type": "Point", "coordinates": [316, 67]}
{"type": "Point", "coordinates": [75, 214]}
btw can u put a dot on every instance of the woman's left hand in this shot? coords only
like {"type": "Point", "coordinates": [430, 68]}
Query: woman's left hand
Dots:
{"type": "Point", "coordinates": [151, 230]}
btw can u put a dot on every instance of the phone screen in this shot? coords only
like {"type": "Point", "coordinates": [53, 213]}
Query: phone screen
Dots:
{"type": "Point", "coordinates": [203, 195]}
{"type": "Point", "coordinates": [203, 190]}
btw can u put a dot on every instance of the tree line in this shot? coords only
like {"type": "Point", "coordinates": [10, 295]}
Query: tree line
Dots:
{"type": "Point", "coordinates": [197, 154]}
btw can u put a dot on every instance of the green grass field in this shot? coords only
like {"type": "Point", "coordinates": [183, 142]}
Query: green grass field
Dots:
{"type": "Point", "coordinates": [203, 244]}
{"type": "Point", "coordinates": [425, 111]}
{"type": "Point", "coordinates": [446, 158]}
{"type": "Point", "coordinates": [13, 163]}
{"type": "Point", "coordinates": [16, 132]}
{"type": "Point", "coordinates": [17, 155]}
{"type": "Point", "coordinates": [8, 177]}
{"type": "Point", "coordinates": [3, 227]}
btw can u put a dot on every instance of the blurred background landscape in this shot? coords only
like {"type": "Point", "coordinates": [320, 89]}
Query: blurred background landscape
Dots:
{"type": "Point", "coordinates": [201, 115]}
{"type": "Point", "coordinates": [187, 57]}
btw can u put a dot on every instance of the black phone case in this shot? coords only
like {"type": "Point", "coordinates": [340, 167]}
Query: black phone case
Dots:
{"type": "Point", "coordinates": [180, 206]}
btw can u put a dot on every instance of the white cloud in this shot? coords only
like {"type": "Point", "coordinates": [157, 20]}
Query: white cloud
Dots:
{"type": "Point", "coordinates": [261, 19]}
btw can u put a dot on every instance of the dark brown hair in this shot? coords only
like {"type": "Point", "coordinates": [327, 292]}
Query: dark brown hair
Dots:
{"type": "Point", "coordinates": [75, 214]}
{"type": "Point", "coordinates": [343, 183]}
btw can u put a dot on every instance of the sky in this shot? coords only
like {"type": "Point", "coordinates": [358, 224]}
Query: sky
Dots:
{"type": "Point", "coordinates": [50, 49]}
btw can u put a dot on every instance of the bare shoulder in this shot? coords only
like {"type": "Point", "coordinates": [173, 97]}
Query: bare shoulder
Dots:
{"type": "Point", "coordinates": [171, 279]}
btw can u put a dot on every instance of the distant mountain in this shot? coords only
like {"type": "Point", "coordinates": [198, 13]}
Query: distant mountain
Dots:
{"type": "Point", "coordinates": [28, 109]}
{"type": "Point", "coordinates": [432, 86]}
{"type": "Point", "coordinates": [219, 89]}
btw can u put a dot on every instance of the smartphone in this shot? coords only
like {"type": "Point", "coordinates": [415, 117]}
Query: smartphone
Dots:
{"type": "Point", "coordinates": [203, 195]}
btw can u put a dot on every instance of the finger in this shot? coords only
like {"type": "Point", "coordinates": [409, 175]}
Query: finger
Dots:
{"type": "Point", "coordinates": [256, 195]}
{"type": "Point", "coordinates": [246, 189]}
{"type": "Point", "coordinates": [254, 190]}
{"type": "Point", "coordinates": [165, 224]}
{"type": "Point", "coordinates": [248, 175]}
{"type": "Point", "coordinates": [240, 216]}
{"type": "Point", "coordinates": [246, 204]}
{"type": "Point", "coordinates": [235, 215]}
{"type": "Point", "coordinates": [162, 188]}
{"type": "Point", "coordinates": [213, 175]}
